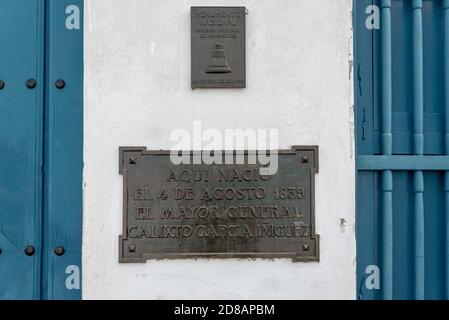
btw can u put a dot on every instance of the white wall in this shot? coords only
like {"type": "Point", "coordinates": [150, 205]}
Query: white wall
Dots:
{"type": "Point", "coordinates": [137, 90]}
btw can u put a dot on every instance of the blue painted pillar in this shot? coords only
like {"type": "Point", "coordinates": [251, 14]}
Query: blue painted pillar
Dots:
{"type": "Point", "coordinates": [418, 146]}
{"type": "Point", "coordinates": [446, 137]}
{"type": "Point", "coordinates": [387, 145]}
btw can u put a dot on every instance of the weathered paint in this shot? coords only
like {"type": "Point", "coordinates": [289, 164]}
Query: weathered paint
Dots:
{"type": "Point", "coordinates": [137, 90]}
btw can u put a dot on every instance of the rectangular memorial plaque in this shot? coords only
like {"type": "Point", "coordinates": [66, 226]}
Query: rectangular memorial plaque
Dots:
{"type": "Point", "coordinates": [218, 210]}
{"type": "Point", "coordinates": [218, 47]}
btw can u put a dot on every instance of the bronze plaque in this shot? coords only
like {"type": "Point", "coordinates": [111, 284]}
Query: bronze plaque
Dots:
{"type": "Point", "coordinates": [218, 47]}
{"type": "Point", "coordinates": [218, 210]}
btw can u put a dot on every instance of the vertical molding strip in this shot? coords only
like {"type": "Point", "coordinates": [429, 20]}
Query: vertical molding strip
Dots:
{"type": "Point", "coordinates": [387, 144]}
{"type": "Point", "coordinates": [366, 220]}
{"type": "Point", "coordinates": [40, 96]}
{"type": "Point", "coordinates": [387, 236]}
{"type": "Point", "coordinates": [418, 146]}
{"type": "Point", "coordinates": [418, 181]}
{"type": "Point", "coordinates": [63, 151]}
{"type": "Point", "coordinates": [446, 137]}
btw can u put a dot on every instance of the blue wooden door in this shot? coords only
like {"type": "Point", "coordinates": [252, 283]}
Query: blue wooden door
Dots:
{"type": "Point", "coordinates": [41, 47]}
{"type": "Point", "coordinates": [402, 135]}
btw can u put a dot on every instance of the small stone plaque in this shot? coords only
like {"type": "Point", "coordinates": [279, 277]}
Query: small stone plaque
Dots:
{"type": "Point", "coordinates": [218, 210]}
{"type": "Point", "coordinates": [218, 47]}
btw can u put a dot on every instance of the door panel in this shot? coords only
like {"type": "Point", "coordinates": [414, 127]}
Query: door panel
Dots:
{"type": "Point", "coordinates": [41, 148]}
{"type": "Point", "coordinates": [402, 126]}
{"type": "Point", "coordinates": [21, 128]}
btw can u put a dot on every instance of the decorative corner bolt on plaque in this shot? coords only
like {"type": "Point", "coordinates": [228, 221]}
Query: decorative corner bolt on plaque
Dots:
{"type": "Point", "coordinates": [218, 210]}
{"type": "Point", "coordinates": [218, 47]}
